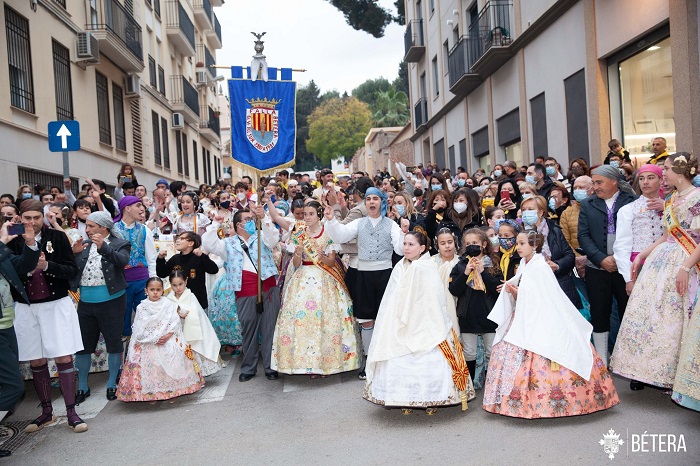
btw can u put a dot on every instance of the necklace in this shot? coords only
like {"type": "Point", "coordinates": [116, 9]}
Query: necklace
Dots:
{"type": "Point", "coordinates": [187, 215]}
{"type": "Point", "coordinates": [686, 191]}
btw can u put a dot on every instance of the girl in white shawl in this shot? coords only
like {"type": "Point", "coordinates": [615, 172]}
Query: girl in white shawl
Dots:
{"type": "Point", "coordinates": [415, 351]}
{"type": "Point", "coordinates": [196, 328]}
{"type": "Point", "coordinates": [543, 363]}
{"type": "Point", "coordinates": [159, 365]}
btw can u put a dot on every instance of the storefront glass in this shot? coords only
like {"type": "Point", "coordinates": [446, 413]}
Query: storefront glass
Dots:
{"type": "Point", "coordinates": [514, 152]}
{"type": "Point", "coordinates": [646, 95]}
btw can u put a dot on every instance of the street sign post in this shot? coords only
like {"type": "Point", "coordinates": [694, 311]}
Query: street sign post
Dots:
{"type": "Point", "coordinates": [64, 136]}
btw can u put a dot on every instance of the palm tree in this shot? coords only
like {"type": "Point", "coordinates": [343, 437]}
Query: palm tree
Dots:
{"type": "Point", "coordinates": [390, 108]}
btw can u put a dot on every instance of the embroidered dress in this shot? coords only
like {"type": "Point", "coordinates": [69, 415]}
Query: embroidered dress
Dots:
{"type": "Point", "coordinates": [686, 388]}
{"type": "Point", "coordinates": [223, 313]}
{"type": "Point", "coordinates": [152, 371]}
{"type": "Point", "coordinates": [522, 383]}
{"type": "Point", "coordinates": [649, 340]}
{"type": "Point", "coordinates": [316, 332]}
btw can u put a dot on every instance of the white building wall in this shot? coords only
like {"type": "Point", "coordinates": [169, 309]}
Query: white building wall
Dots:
{"type": "Point", "coordinates": [505, 98]}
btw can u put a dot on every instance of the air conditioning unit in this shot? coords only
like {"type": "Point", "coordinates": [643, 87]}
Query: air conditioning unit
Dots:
{"type": "Point", "coordinates": [132, 86]}
{"type": "Point", "coordinates": [88, 47]}
{"type": "Point", "coordinates": [201, 77]}
{"type": "Point", "coordinates": [178, 121]}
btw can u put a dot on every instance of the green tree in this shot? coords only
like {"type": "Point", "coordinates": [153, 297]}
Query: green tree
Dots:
{"type": "Point", "coordinates": [308, 98]}
{"type": "Point", "coordinates": [337, 128]}
{"type": "Point", "coordinates": [365, 15]}
{"type": "Point", "coordinates": [390, 109]}
{"type": "Point", "coordinates": [366, 92]}
{"type": "Point", "coordinates": [328, 95]}
{"type": "Point", "coordinates": [401, 81]}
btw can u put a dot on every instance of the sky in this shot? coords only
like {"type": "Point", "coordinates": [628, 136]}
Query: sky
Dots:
{"type": "Point", "coordinates": [309, 34]}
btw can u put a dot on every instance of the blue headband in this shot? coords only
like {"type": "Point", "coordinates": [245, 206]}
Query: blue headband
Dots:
{"type": "Point", "coordinates": [510, 222]}
{"type": "Point", "coordinates": [376, 192]}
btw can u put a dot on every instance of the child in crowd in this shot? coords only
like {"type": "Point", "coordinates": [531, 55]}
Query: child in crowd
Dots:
{"type": "Point", "coordinates": [196, 327]}
{"type": "Point", "coordinates": [160, 364]}
{"type": "Point", "coordinates": [507, 232]}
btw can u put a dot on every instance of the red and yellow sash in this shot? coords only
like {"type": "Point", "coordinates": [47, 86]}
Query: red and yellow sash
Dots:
{"type": "Point", "coordinates": [300, 236]}
{"type": "Point", "coordinates": [460, 372]}
{"type": "Point", "coordinates": [675, 230]}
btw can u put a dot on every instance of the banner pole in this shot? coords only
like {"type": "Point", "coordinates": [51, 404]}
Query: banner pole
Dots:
{"type": "Point", "coordinates": [259, 227]}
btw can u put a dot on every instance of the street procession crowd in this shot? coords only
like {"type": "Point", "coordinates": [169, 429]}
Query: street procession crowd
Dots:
{"type": "Point", "coordinates": [528, 283]}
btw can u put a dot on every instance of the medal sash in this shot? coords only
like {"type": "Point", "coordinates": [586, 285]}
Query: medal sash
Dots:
{"type": "Point", "coordinates": [300, 236]}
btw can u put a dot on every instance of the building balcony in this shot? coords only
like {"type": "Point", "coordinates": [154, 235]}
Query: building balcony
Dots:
{"type": "Point", "coordinates": [209, 126]}
{"type": "Point", "coordinates": [179, 28]}
{"type": "Point", "coordinates": [203, 14]}
{"type": "Point", "coordinates": [119, 35]}
{"type": "Point", "coordinates": [459, 63]}
{"type": "Point", "coordinates": [493, 27]}
{"type": "Point", "coordinates": [214, 34]}
{"type": "Point", "coordinates": [420, 113]}
{"type": "Point", "coordinates": [413, 40]}
{"type": "Point", "coordinates": [184, 99]}
{"type": "Point", "coordinates": [217, 2]}
{"type": "Point", "coordinates": [206, 59]}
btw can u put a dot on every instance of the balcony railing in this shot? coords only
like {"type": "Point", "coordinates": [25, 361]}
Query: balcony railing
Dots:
{"type": "Point", "coordinates": [184, 93]}
{"type": "Point", "coordinates": [205, 57]}
{"type": "Point", "coordinates": [214, 34]}
{"type": "Point", "coordinates": [203, 13]}
{"type": "Point", "coordinates": [461, 58]}
{"type": "Point", "coordinates": [414, 42]}
{"type": "Point", "coordinates": [179, 24]}
{"type": "Point", "coordinates": [210, 120]}
{"type": "Point", "coordinates": [114, 23]}
{"type": "Point", "coordinates": [420, 112]}
{"type": "Point", "coordinates": [493, 24]}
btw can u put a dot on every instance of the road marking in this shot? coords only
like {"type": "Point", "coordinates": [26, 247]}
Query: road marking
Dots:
{"type": "Point", "coordinates": [215, 386]}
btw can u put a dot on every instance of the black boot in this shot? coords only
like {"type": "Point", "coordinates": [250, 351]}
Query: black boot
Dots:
{"type": "Point", "coordinates": [471, 365]}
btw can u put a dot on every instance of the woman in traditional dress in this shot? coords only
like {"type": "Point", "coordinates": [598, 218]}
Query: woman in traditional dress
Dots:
{"type": "Point", "coordinates": [649, 341]}
{"type": "Point", "coordinates": [446, 258]}
{"type": "Point", "coordinates": [196, 328]}
{"type": "Point", "coordinates": [189, 219]}
{"type": "Point", "coordinates": [316, 332]}
{"type": "Point", "coordinates": [415, 359]}
{"type": "Point", "coordinates": [159, 365]}
{"type": "Point", "coordinates": [543, 363]}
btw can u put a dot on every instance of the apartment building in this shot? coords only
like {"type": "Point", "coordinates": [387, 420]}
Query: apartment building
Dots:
{"type": "Point", "coordinates": [513, 79]}
{"type": "Point", "coordinates": [136, 74]}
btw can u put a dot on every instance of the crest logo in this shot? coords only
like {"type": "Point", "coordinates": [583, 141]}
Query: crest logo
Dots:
{"type": "Point", "coordinates": [611, 443]}
{"type": "Point", "coordinates": [262, 123]}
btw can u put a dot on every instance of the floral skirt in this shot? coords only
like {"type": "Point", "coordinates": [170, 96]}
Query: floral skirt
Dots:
{"type": "Point", "coordinates": [130, 387]}
{"type": "Point", "coordinates": [686, 387]}
{"type": "Point", "coordinates": [316, 332]}
{"type": "Point", "coordinates": [223, 314]}
{"type": "Point", "coordinates": [523, 384]}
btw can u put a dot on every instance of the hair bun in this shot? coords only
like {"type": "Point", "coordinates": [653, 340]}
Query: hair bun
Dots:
{"type": "Point", "coordinates": [684, 163]}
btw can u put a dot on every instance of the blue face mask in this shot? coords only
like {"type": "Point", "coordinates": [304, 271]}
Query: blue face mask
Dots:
{"type": "Point", "coordinates": [526, 196]}
{"type": "Point", "coordinates": [530, 217]}
{"type": "Point", "coordinates": [552, 204]}
{"type": "Point", "coordinates": [461, 182]}
{"type": "Point", "coordinates": [530, 179]}
{"type": "Point", "coordinates": [580, 194]}
{"type": "Point", "coordinates": [551, 171]}
{"type": "Point", "coordinates": [507, 243]}
{"type": "Point", "coordinates": [401, 209]}
{"type": "Point", "coordinates": [249, 227]}
{"type": "Point", "coordinates": [696, 181]}
{"type": "Point", "coordinates": [26, 195]}
{"type": "Point", "coordinates": [615, 164]}
{"type": "Point", "coordinates": [497, 173]}
{"type": "Point", "coordinates": [436, 187]}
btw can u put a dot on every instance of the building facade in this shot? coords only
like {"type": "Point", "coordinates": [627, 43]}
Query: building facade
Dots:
{"type": "Point", "coordinates": [513, 79]}
{"type": "Point", "coordinates": [136, 74]}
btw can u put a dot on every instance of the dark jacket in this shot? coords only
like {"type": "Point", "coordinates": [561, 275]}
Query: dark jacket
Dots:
{"type": "Point", "coordinates": [15, 267]}
{"type": "Point", "coordinates": [60, 259]}
{"type": "Point", "coordinates": [546, 188]}
{"type": "Point", "coordinates": [115, 256]}
{"type": "Point", "coordinates": [564, 257]}
{"type": "Point", "coordinates": [473, 306]}
{"type": "Point", "coordinates": [593, 225]}
{"type": "Point", "coordinates": [433, 224]}
{"type": "Point", "coordinates": [195, 267]}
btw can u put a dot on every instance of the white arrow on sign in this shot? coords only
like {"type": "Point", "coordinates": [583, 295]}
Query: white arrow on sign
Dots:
{"type": "Point", "coordinates": [63, 133]}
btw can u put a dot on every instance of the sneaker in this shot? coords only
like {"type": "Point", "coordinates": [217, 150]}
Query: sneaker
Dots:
{"type": "Point", "coordinates": [362, 375]}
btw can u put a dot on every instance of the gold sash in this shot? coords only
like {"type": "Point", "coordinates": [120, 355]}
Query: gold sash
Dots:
{"type": "Point", "coordinates": [460, 372]}
{"type": "Point", "coordinates": [300, 236]}
{"type": "Point", "coordinates": [675, 230]}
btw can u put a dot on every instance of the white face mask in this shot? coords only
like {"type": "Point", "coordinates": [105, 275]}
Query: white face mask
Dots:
{"type": "Point", "coordinates": [241, 196]}
{"type": "Point", "coordinates": [460, 207]}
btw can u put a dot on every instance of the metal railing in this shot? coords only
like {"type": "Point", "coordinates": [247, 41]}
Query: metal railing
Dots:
{"type": "Point", "coordinates": [205, 57]}
{"type": "Point", "coordinates": [204, 5]}
{"type": "Point", "coordinates": [413, 37]}
{"type": "Point", "coordinates": [212, 121]}
{"type": "Point", "coordinates": [217, 26]}
{"type": "Point", "coordinates": [177, 18]}
{"type": "Point", "coordinates": [493, 25]}
{"type": "Point", "coordinates": [184, 92]}
{"type": "Point", "coordinates": [420, 111]}
{"type": "Point", "coordinates": [114, 17]}
{"type": "Point", "coordinates": [61, 2]}
{"type": "Point", "coordinates": [462, 57]}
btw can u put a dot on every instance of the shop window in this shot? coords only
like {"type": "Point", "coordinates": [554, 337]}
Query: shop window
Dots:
{"type": "Point", "coordinates": [514, 152]}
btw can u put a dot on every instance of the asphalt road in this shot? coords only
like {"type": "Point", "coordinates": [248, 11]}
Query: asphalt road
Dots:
{"type": "Point", "coordinates": [297, 420]}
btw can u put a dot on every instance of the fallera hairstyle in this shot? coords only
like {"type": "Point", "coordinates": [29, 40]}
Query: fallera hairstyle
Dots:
{"type": "Point", "coordinates": [684, 163]}
{"type": "Point", "coordinates": [154, 279]}
{"type": "Point", "coordinates": [420, 237]}
{"type": "Point", "coordinates": [446, 231]}
{"type": "Point", "coordinates": [317, 206]}
{"type": "Point", "coordinates": [534, 239]}
{"type": "Point", "coordinates": [178, 273]}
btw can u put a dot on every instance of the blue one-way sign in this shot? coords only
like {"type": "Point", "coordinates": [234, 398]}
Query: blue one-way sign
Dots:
{"type": "Point", "coordinates": [64, 136]}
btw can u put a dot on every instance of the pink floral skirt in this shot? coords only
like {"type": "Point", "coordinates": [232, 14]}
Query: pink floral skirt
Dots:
{"type": "Point", "coordinates": [523, 384]}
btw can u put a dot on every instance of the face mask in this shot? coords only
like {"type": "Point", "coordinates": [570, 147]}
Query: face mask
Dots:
{"type": "Point", "coordinates": [530, 217]}
{"type": "Point", "coordinates": [507, 243]}
{"type": "Point", "coordinates": [552, 204]}
{"type": "Point", "coordinates": [696, 181]}
{"type": "Point", "coordinates": [497, 173]}
{"type": "Point", "coordinates": [225, 204]}
{"type": "Point", "coordinates": [526, 195]}
{"type": "Point", "coordinates": [241, 196]}
{"type": "Point", "coordinates": [59, 221]}
{"type": "Point", "coordinates": [460, 207]}
{"type": "Point", "coordinates": [26, 195]}
{"type": "Point", "coordinates": [151, 209]}
{"type": "Point", "coordinates": [580, 194]}
{"type": "Point", "coordinates": [249, 227]}
{"type": "Point", "coordinates": [551, 171]}
{"type": "Point", "coordinates": [615, 164]}
{"type": "Point", "coordinates": [486, 203]}
{"type": "Point", "coordinates": [494, 240]}
{"type": "Point", "coordinates": [530, 179]}
{"type": "Point", "coordinates": [401, 209]}
{"type": "Point", "coordinates": [436, 187]}
{"type": "Point", "coordinates": [472, 250]}
{"type": "Point", "coordinates": [461, 183]}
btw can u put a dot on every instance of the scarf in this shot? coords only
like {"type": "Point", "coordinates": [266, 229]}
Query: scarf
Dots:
{"type": "Point", "coordinates": [505, 259]}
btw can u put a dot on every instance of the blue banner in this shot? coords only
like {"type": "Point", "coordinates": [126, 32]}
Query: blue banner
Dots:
{"type": "Point", "coordinates": [263, 125]}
